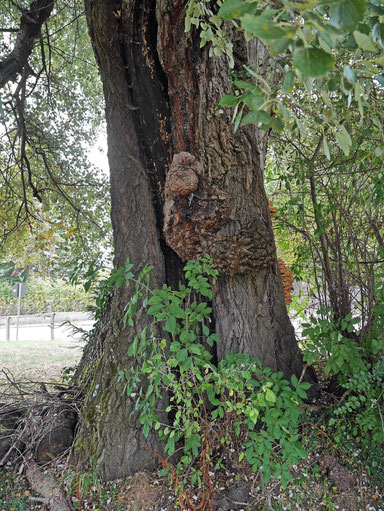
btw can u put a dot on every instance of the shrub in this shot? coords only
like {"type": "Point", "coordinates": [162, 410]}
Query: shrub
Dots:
{"type": "Point", "coordinates": [357, 362]}
{"type": "Point", "coordinates": [209, 405]}
{"type": "Point", "coordinates": [43, 295]}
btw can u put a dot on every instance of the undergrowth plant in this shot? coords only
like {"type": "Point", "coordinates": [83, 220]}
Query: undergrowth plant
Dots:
{"type": "Point", "coordinates": [79, 483]}
{"type": "Point", "coordinates": [333, 344]}
{"type": "Point", "coordinates": [356, 360]}
{"type": "Point", "coordinates": [200, 408]}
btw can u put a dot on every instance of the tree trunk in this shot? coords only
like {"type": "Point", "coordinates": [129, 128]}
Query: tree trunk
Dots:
{"type": "Point", "coordinates": [182, 185]}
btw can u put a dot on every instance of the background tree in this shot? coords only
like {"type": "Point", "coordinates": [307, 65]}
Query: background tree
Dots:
{"type": "Point", "coordinates": [51, 197]}
{"type": "Point", "coordinates": [332, 207]}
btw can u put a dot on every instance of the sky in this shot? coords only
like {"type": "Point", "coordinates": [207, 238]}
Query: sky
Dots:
{"type": "Point", "coordinates": [98, 153]}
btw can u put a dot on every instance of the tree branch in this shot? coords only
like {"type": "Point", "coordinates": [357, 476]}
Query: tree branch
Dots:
{"type": "Point", "coordinates": [31, 22]}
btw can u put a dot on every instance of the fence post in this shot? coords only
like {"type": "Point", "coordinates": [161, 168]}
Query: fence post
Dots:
{"type": "Point", "coordinates": [8, 328]}
{"type": "Point", "coordinates": [52, 325]}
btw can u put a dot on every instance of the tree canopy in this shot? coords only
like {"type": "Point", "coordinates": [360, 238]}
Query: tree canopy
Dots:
{"type": "Point", "coordinates": [52, 199]}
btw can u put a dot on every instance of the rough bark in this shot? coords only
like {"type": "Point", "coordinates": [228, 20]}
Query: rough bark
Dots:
{"type": "Point", "coordinates": [161, 93]}
{"type": "Point", "coordinates": [227, 214]}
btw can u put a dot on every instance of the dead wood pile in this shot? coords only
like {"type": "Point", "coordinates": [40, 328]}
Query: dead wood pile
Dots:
{"type": "Point", "coordinates": [37, 425]}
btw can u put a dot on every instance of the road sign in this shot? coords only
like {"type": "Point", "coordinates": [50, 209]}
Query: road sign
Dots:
{"type": "Point", "coordinates": [19, 289]}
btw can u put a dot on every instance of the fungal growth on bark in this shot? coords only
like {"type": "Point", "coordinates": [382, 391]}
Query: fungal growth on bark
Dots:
{"type": "Point", "coordinates": [193, 215]}
{"type": "Point", "coordinates": [198, 221]}
{"type": "Point", "coordinates": [287, 278]}
{"type": "Point", "coordinates": [285, 272]}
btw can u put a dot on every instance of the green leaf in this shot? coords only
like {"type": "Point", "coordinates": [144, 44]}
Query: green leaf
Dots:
{"type": "Point", "coordinates": [195, 349]}
{"type": "Point", "coordinates": [294, 380]}
{"type": "Point", "coordinates": [289, 81]}
{"type": "Point", "coordinates": [285, 478]}
{"type": "Point", "coordinates": [266, 473]}
{"type": "Point", "coordinates": [380, 79]}
{"type": "Point", "coordinates": [228, 100]}
{"type": "Point", "coordinates": [270, 396]}
{"type": "Point", "coordinates": [258, 117]}
{"type": "Point", "coordinates": [182, 355]}
{"type": "Point", "coordinates": [262, 26]}
{"type": "Point", "coordinates": [378, 34]}
{"type": "Point", "coordinates": [154, 300]}
{"type": "Point", "coordinates": [301, 393]}
{"type": "Point", "coordinates": [349, 74]}
{"type": "Point", "coordinates": [186, 364]}
{"type": "Point", "coordinates": [235, 128]}
{"type": "Point", "coordinates": [176, 310]}
{"type": "Point", "coordinates": [248, 86]}
{"type": "Point", "coordinates": [279, 45]}
{"type": "Point", "coordinates": [233, 9]}
{"type": "Point", "coordinates": [119, 282]}
{"type": "Point", "coordinates": [326, 149]}
{"type": "Point", "coordinates": [347, 14]}
{"type": "Point", "coordinates": [132, 350]}
{"type": "Point", "coordinates": [87, 285]}
{"type": "Point", "coordinates": [312, 62]}
{"type": "Point", "coordinates": [364, 41]}
{"type": "Point", "coordinates": [252, 101]}
{"type": "Point", "coordinates": [344, 140]}
{"type": "Point", "coordinates": [170, 325]}
{"type": "Point", "coordinates": [152, 311]}
{"type": "Point", "coordinates": [301, 127]}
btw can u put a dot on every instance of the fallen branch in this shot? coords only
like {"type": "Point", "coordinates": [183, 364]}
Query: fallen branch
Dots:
{"type": "Point", "coordinates": [45, 485]}
{"type": "Point", "coordinates": [14, 445]}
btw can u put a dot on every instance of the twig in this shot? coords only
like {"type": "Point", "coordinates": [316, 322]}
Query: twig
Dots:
{"type": "Point", "coordinates": [39, 499]}
{"type": "Point", "coordinates": [381, 417]}
{"type": "Point", "coordinates": [302, 374]}
{"type": "Point", "coordinates": [13, 446]}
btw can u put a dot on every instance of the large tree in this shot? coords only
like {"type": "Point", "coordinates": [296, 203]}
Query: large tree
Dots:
{"type": "Point", "coordinates": [183, 184]}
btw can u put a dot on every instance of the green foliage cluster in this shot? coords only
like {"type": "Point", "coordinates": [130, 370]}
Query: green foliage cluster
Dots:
{"type": "Point", "coordinates": [96, 277]}
{"type": "Point", "coordinates": [335, 343]}
{"type": "Point", "coordinates": [54, 202]}
{"type": "Point", "coordinates": [198, 406]}
{"type": "Point", "coordinates": [80, 483]}
{"type": "Point", "coordinates": [359, 416]}
{"type": "Point", "coordinates": [330, 48]}
{"type": "Point", "coordinates": [42, 295]}
{"type": "Point", "coordinates": [356, 361]}
{"type": "Point", "coordinates": [10, 498]}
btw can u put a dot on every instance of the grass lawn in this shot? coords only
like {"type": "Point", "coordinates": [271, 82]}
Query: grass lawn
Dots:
{"type": "Point", "coordinates": [39, 360]}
